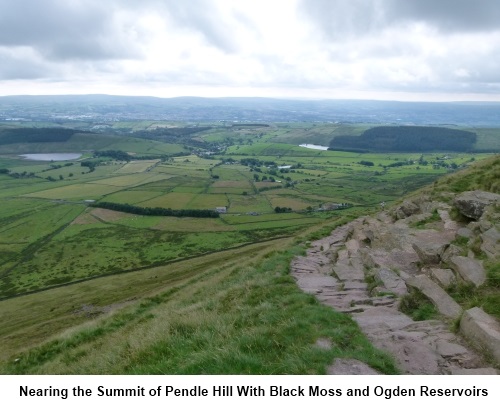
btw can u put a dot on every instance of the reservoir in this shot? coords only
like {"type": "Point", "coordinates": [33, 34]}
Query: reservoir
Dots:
{"type": "Point", "coordinates": [312, 146]}
{"type": "Point", "coordinates": [48, 157]}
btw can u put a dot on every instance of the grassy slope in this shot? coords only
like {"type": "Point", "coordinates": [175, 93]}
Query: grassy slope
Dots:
{"type": "Point", "coordinates": [229, 314]}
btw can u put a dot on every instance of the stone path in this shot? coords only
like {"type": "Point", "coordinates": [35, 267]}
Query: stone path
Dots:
{"type": "Point", "coordinates": [382, 251]}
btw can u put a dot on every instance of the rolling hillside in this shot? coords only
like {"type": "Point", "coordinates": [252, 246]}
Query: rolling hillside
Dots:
{"type": "Point", "coordinates": [233, 312]}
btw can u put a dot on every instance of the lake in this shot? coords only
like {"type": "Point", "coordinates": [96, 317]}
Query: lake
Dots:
{"type": "Point", "coordinates": [312, 146]}
{"type": "Point", "coordinates": [48, 157]}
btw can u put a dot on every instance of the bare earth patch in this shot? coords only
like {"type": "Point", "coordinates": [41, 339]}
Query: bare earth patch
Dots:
{"type": "Point", "coordinates": [109, 215]}
{"type": "Point", "coordinates": [84, 218]}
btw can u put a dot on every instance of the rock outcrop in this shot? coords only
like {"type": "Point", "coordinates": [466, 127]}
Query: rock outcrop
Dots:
{"type": "Point", "coordinates": [367, 267]}
{"type": "Point", "coordinates": [473, 203]}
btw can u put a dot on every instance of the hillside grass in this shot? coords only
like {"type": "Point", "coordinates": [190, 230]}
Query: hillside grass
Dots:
{"type": "Point", "coordinates": [244, 316]}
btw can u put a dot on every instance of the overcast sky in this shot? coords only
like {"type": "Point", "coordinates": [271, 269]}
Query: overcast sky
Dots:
{"type": "Point", "coordinates": [377, 49]}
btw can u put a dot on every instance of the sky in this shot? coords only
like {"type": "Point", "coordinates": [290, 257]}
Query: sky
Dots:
{"type": "Point", "coordinates": [410, 50]}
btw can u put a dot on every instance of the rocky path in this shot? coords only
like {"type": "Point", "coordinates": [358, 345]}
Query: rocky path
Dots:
{"type": "Point", "coordinates": [365, 267]}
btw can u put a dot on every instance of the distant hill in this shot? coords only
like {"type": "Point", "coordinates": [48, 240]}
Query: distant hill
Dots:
{"type": "Point", "coordinates": [245, 109]}
{"type": "Point", "coordinates": [60, 140]}
{"type": "Point", "coordinates": [407, 139]}
{"type": "Point", "coordinates": [35, 135]}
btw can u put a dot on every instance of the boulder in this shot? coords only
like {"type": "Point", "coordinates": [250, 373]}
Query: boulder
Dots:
{"type": "Point", "coordinates": [449, 252]}
{"type": "Point", "coordinates": [406, 209]}
{"type": "Point", "coordinates": [491, 242]}
{"type": "Point", "coordinates": [484, 225]}
{"type": "Point", "coordinates": [471, 270]}
{"type": "Point", "coordinates": [473, 203]}
{"type": "Point", "coordinates": [443, 302]}
{"type": "Point", "coordinates": [429, 252]}
{"type": "Point", "coordinates": [482, 330]}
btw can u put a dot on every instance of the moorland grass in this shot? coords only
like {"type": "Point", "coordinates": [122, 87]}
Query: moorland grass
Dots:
{"type": "Point", "coordinates": [249, 318]}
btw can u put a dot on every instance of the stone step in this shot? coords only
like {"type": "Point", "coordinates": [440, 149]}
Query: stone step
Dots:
{"type": "Point", "coordinates": [482, 330]}
{"type": "Point", "coordinates": [382, 301]}
{"type": "Point", "coordinates": [355, 285]}
{"type": "Point", "coordinates": [443, 302]}
{"type": "Point", "coordinates": [471, 270]}
{"type": "Point", "coordinates": [354, 309]}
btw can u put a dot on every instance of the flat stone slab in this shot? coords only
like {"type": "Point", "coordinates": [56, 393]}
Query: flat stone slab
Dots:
{"type": "Point", "coordinates": [346, 272]}
{"type": "Point", "coordinates": [443, 302]}
{"type": "Point", "coordinates": [447, 349]}
{"type": "Point", "coordinates": [471, 270]}
{"type": "Point", "coordinates": [482, 330]}
{"type": "Point", "coordinates": [444, 277]}
{"type": "Point", "coordinates": [449, 224]}
{"type": "Point", "coordinates": [352, 245]}
{"type": "Point", "coordinates": [385, 327]}
{"type": "Point", "coordinates": [350, 367]}
{"type": "Point", "coordinates": [355, 285]}
{"type": "Point", "coordinates": [391, 281]}
{"type": "Point", "coordinates": [474, 371]}
{"type": "Point", "coordinates": [383, 318]}
{"type": "Point", "coordinates": [316, 282]}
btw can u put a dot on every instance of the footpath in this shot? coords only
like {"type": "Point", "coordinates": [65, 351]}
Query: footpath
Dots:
{"type": "Point", "coordinates": [367, 266]}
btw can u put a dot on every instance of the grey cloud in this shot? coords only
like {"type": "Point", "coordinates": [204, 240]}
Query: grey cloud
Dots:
{"type": "Point", "coordinates": [449, 15]}
{"type": "Point", "coordinates": [201, 16]}
{"type": "Point", "coordinates": [60, 29]}
{"type": "Point", "coordinates": [341, 18]}
{"type": "Point", "coordinates": [338, 18]}
{"type": "Point", "coordinates": [15, 67]}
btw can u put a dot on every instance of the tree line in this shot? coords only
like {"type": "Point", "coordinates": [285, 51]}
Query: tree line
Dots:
{"type": "Point", "coordinates": [156, 211]}
{"type": "Point", "coordinates": [407, 139]}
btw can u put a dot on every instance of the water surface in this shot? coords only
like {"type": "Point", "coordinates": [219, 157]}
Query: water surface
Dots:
{"type": "Point", "coordinates": [313, 146]}
{"type": "Point", "coordinates": [48, 157]}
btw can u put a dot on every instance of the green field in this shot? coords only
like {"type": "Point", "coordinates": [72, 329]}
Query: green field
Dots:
{"type": "Point", "coordinates": [53, 245]}
{"type": "Point", "coordinates": [56, 239]}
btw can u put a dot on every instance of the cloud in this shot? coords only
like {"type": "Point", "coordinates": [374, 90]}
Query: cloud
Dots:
{"type": "Point", "coordinates": [340, 18]}
{"type": "Point", "coordinates": [293, 46]}
{"type": "Point", "coordinates": [448, 15]}
{"type": "Point", "coordinates": [62, 30]}
{"type": "Point", "coordinates": [21, 63]}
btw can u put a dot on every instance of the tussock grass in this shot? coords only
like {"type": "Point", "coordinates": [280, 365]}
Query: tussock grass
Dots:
{"type": "Point", "coordinates": [417, 306]}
